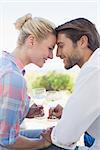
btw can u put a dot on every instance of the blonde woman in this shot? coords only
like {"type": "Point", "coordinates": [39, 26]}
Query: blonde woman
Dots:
{"type": "Point", "coordinates": [35, 45]}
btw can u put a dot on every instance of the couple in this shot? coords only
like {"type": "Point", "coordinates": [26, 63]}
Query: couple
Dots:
{"type": "Point", "coordinates": [78, 43]}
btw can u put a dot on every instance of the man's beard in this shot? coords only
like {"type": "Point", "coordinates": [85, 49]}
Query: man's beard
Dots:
{"type": "Point", "coordinates": [71, 63]}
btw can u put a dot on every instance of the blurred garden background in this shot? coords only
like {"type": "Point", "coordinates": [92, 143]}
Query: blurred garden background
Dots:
{"type": "Point", "coordinates": [51, 81]}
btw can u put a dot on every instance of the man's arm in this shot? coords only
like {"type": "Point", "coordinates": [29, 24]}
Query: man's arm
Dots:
{"type": "Point", "coordinates": [81, 110]}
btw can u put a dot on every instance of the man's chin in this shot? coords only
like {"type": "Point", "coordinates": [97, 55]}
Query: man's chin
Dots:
{"type": "Point", "coordinates": [68, 67]}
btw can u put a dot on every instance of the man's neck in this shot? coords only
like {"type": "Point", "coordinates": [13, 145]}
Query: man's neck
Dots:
{"type": "Point", "coordinates": [86, 55]}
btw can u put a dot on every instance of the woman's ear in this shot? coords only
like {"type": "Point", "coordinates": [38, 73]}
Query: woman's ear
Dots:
{"type": "Point", "coordinates": [30, 40]}
{"type": "Point", "coordinates": [83, 41]}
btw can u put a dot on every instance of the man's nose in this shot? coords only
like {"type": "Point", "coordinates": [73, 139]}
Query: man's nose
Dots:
{"type": "Point", "coordinates": [58, 53]}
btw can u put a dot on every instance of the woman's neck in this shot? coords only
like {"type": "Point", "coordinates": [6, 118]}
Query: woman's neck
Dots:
{"type": "Point", "coordinates": [19, 53]}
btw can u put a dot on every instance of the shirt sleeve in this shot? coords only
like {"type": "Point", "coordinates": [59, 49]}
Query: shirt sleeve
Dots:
{"type": "Point", "coordinates": [12, 95]}
{"type": "Point", "coordinates": [81, 110]}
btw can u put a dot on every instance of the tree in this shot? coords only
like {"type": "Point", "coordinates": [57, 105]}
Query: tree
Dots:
{"type": "Point", "coordinates": [54, 81]}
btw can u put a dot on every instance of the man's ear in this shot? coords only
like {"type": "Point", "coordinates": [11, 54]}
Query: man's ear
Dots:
{"type": "Point", "coordinates": [83, 42]}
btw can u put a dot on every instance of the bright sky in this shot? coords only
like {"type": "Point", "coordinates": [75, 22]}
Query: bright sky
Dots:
{"type": "Point", "coordinates": [58, 11]}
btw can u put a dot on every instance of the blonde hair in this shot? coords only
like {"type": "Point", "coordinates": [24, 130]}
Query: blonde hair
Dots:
{"type": "Point", "coordinates": [38, 27]}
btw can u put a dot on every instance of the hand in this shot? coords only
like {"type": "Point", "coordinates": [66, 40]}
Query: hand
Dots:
{"type": "Point", "coordinates": [55, 112]}
{"type": "Point", "coordinates": [44, 142]}
{"type": "Point", "coordinates": [46, 134]}
{"type": "Point", "coordinates": [35, 111]}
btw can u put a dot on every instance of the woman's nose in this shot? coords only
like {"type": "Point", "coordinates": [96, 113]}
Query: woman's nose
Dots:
{"type": "Point", "coordinates": [51, 55]}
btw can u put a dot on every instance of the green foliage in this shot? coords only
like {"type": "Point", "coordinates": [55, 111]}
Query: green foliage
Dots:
{"type": "Point", "coordinates": [54, 81]}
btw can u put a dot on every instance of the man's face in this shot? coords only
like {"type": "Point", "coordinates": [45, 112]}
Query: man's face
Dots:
{"type": "Point", "coordinates": [68, 51]}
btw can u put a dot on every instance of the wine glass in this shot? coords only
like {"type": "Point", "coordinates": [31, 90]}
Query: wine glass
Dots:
{"type": "Point", "coordinates": [52, 98]}
{"type": "Point", "coordinates": [39, 95]}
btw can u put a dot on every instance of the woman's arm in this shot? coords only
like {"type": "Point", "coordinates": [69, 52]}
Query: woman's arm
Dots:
{"type": "Point", "coordinates": [26, 143]}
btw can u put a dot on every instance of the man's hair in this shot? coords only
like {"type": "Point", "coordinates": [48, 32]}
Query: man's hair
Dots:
{"type": "Point", "coordinates": [79, 27]}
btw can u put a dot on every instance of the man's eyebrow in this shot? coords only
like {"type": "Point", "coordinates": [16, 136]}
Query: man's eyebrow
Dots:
{"type": "Point", "coordinates": [59, 43]}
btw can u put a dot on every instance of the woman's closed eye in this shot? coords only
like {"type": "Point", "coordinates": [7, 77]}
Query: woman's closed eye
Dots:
{"type": "Point", "coordinates": [51, 48]}
{"type": "Point", "coordinates": [60, 46]}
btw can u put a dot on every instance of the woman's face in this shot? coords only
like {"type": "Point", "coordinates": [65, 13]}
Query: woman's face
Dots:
{"type": "Point", "coordinates": [43, 50]}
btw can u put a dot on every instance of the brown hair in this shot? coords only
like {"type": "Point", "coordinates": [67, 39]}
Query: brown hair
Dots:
{"type": "Point", "coordinates": [76, 28]}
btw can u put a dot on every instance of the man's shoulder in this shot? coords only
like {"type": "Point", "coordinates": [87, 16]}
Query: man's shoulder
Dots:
{"type": "Point", "coordinates": [93, 62]}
